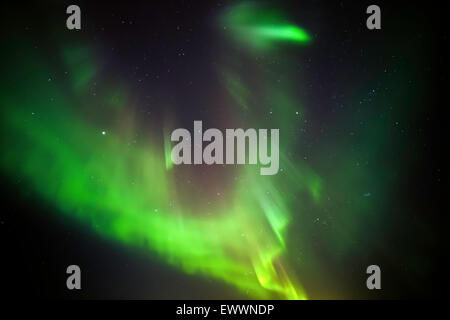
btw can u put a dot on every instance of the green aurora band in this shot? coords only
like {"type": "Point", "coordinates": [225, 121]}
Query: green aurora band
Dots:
{"type": "Point", "coordinates": [123, 191]}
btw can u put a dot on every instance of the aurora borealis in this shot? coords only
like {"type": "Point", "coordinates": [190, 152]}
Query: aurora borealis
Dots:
{"type": "Point", "coordinates": [85, 124]}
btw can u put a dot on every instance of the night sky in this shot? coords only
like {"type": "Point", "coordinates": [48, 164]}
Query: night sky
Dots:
{"type": "Point", "coordinates": [86, 117]}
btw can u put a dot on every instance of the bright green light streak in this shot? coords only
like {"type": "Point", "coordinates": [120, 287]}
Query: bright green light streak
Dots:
{"type": "Point", "coordinates": [258, 28]}
{"type": "Point", "coordinates": [291, 33]}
